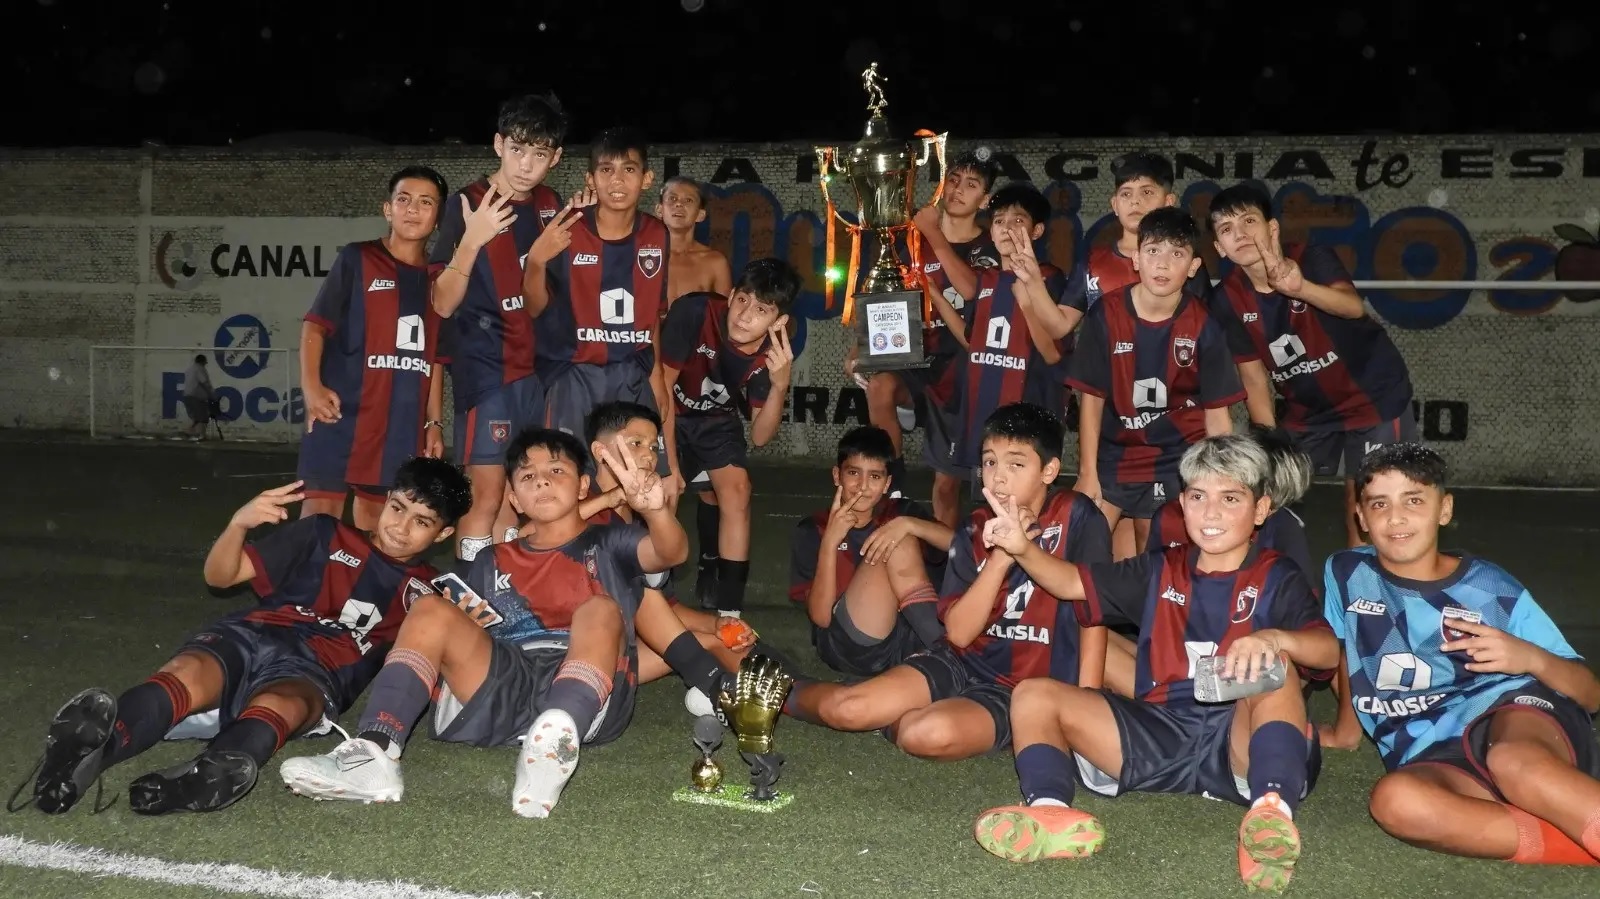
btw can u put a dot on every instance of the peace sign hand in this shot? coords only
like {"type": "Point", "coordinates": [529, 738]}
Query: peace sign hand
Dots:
{"type": "Point", "coordinates": [1491, 650]}
{"type": "Point", "coordinates": [557, 235]}
{"type": "Point", "coordinates": [1024, 264]}
{"type": "Point", "coordinates": [642, 488]}
{"type": "Point", "coordinates": [842, 517]}
{"type": "Point", "coordinates": [268, 508]}
{"type": "Point", "coordinates": [1005, 531]}
{"type": "Point", "coordinates": [1283, 275]}
{"type": "Point", "coordinates": [780, 355]}
{"type": "Point", "coordinates": [490, 218]}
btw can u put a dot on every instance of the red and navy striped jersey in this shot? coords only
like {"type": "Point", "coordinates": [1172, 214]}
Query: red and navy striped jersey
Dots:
{"type": "Point", "coordinates": [1003, 365]}
{"type": "Point", "coordinates": [806, 544]}
{"type": "Point", "coordinates": [537, 591]}
{"type": "Point", "coordinates": [1157, 380]}
{"type": "Point", "coordinates": [606, 296]}
{"type": "Point", "coordinates": [1283, 532]}
{"type": "Point", "coordinates": [714, 377]}
{"type": "Point", "coordinates": [979, 254]}
{"type": "Point", "coordinates": [1029, 633]}
{"type": "Point", "coordinates": [489, 340]}
{"type": "Point", "coordinates": [1106, 271]}
{"type": "Point", "coordinates": [346, 599]}
{"type": "Point", "coordinates": [382, 345]}
{"type": "Point", "coordinates": [1184, 614]}
{"type": "Point", "coordinates": [1336, 374]}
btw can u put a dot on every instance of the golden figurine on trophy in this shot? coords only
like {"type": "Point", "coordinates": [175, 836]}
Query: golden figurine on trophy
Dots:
{"type": "Point", "coordinates": [882, 170]}
{"type": "Point", "coordinates": [751, 706]}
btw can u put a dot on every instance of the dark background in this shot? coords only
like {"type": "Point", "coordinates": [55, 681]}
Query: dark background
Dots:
{"type": "Point", "coordinates": [201, 72]}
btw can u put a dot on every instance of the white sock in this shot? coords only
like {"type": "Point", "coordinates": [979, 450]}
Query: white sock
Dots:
{"type": "Point", "coordinates": [733, 614]}
{"type": "Point", "coordinates": [545, 763]}
{"type": "Point", "coordinates": [1274, 800]}
{"type": "Point", "coordinates": [1047, 801]}
{"type": "Point", "coordinates": [471, 546]}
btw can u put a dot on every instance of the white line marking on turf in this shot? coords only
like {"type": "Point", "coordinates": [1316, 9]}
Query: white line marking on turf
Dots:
{"type": "Point", "coordinates": [219, 877]}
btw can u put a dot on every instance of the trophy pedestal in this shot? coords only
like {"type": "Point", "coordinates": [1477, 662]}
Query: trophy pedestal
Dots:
{"type": "Point", "coordinates": [888, 331]}
{"type": "Point", "coordinates": [734, 796]}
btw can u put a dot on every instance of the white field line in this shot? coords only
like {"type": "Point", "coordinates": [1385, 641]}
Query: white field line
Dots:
{"type": "Point", "coordinates": [219, 877]}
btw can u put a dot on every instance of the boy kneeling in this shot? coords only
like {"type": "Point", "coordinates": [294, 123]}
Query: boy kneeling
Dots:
{"type": "Point", "coordinates": [1481, 710]}
{"type": "Point", "coordinates": [1221, 596]}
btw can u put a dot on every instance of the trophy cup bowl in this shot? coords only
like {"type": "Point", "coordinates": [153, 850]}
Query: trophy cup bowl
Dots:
{"type": "Point", "coordinates": [882, 173]}
{"type": "Point", "coordinates": [751, 705]}
{"type": "Point", "coordinates": [705, 776]}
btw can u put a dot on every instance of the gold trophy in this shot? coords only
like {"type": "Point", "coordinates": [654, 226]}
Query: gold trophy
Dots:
{"type": "Point", "coordinates": [752, 708]}
{"type": "Point", "coordinates": [882, 170]}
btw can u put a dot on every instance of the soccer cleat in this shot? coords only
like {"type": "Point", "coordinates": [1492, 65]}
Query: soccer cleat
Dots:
{"type": "Point", "coordinates": [75, 749]}
{"type": "Point", "coordinates": [211, 781]}
{"type": "Point", "coordinates": [546, 761]}
{"type": "Point", "coordinates": [356, 770]}
{"type": "Point", "coordinates": [1269, 846]}
{"type": "Point", "coordinates": [705, 583]}
{"type": "Point", "coordinates": [1030, 833]}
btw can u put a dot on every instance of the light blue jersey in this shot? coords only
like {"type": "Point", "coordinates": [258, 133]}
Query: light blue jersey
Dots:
{"type": "Point", "coordinates": [1409, 694]}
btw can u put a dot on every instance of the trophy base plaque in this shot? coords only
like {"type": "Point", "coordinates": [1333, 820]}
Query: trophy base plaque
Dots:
{"type": "Point", "coordinates": [889, 331]}
{"type": "Point", "coordinates": [735, 796]}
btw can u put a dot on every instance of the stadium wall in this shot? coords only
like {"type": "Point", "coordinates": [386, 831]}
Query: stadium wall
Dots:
{"type": "Point", "coordinates": [216, 247]}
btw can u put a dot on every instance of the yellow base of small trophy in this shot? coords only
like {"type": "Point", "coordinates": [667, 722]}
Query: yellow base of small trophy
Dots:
{"type": "Point", "coordinates": [735, 796]}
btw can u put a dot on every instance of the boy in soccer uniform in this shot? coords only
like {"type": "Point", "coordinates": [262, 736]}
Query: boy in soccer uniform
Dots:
{"type": "Point", "coordinates": [1014, 329]}
{"type": "Point", "coordinates": [865, 568]}
{"type": "Point", "coordinates": [1001, 627]}
{"type": "Point", "coordinates": [559, 669]}
{"type": "Point", "coordinates": [1142, 182]}
{"type": "Point", "coordinates": [1155, 376]}
{"type": "Point", "coordinates": [694, 267]}
{"type": "Point", "coordinates": [1223, 596]}
{"type": "Point", "coordinates": [954, 246]}
{"type": "Point", "coordinates": [369, 356]}
{"type": "Point", "coordinates": [596, 285]}
{"type": "Point", "coordinates": [1481, 710]}
{"type": "Point", "coordinates": [619, 427]}
{"type": "Point", "coordinates": [722, 356]}
{"type": "Point", "coordinates": [1292, 311]}
{"type": "Point", "coordinates": [484, 235]}
{"type": "Point", "coordinates": [332, 600]}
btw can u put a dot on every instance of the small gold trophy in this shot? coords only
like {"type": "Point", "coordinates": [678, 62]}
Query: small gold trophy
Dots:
{"type": "Point", "coordinates": [752, 708]}
{"type": "Point", "coordinates": [882, 171]}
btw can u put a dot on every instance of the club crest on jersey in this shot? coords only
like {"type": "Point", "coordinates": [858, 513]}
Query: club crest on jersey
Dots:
{"type": "Point", "coordinates": [1456, 613]}
{"type": "Point", "coordinates": [589, 563]}
{"type": "Point", "coordinates": [1244, 605]}
{"type": "Point", "coordinates": [650, 261]}
{"type": "Point", "coordinates": [546, 215]}
{"type": "Point", "coordinates": [1050, 540]}
{"type": "Point", "coordinates": [1183, 351]}
{"type": "Point", "coordinates": [415, 590]}
{"type": "Point", "coordinates": [1297, 306]}
{"type": "Point", "coordinates": [499, 431]}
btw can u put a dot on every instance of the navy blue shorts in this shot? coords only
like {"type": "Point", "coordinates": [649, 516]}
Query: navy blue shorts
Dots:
{"type": "Point", "coordinates": [844, 648]}
{"type": "Point", "coordinates": [1140, 500]}
{"type": "Point", "coordinates": [949, 678]}
{"type": "Point", "coordinates": [1328, 449]}
{"type": "Point", "coordinates": [513, 695]}
{"type": "Point", "coordinates": [1183, 750]}
{"type": "Point", "coordinates": [484, 432]}
{"type": "Point", "coordinates": [1470, 753]}
{"type": "Point", "coordinates": [256, 654]}
{"type": "Point", "coordinates": [707, 443]}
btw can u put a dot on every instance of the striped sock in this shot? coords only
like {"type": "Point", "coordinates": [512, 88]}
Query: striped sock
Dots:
{"type": "Point", "coordinates": [145, 714]}
{"type": "Point", "coordinates": [258, 732]}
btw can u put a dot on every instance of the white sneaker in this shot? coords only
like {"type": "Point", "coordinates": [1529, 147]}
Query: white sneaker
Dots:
{"type": "Point", "coordinates": [545, 763]}
{"type": "Point", "coordinates": [356, 769]}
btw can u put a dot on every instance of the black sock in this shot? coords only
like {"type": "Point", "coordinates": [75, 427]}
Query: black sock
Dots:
{"type": "Point", "coordinates": [707, 524]}
{"type": "Point", "coordinates": [731, 577]}
{"type": "Point", "coordinates": [897, 475]}
{"type": "Point", "coordinates": [400, 694]}
{"type": "Point", "coordinates": [1044, 772]}
{"type": "Point", "coordinates": [579, 689]}
{"type": "Point", "coordinates": [920, 608]}
{"type": "Point", "coordinates": [1278, 762]}
{"type": "Point", "coordinates": [258, 733]}
{"type": "Point", "coordinates": [144, 715]}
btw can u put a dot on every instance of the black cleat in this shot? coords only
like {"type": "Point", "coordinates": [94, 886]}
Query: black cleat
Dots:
{"type": "Point", "coordinates": [705, 584]}
{"type": "Point", "coordinates": [211, 781]}
{"type": "Point", "coordinates": [75, 750]}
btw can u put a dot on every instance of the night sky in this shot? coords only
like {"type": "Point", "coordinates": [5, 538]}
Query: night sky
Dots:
{"type": "Point", "coordinates": [198, 72]}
